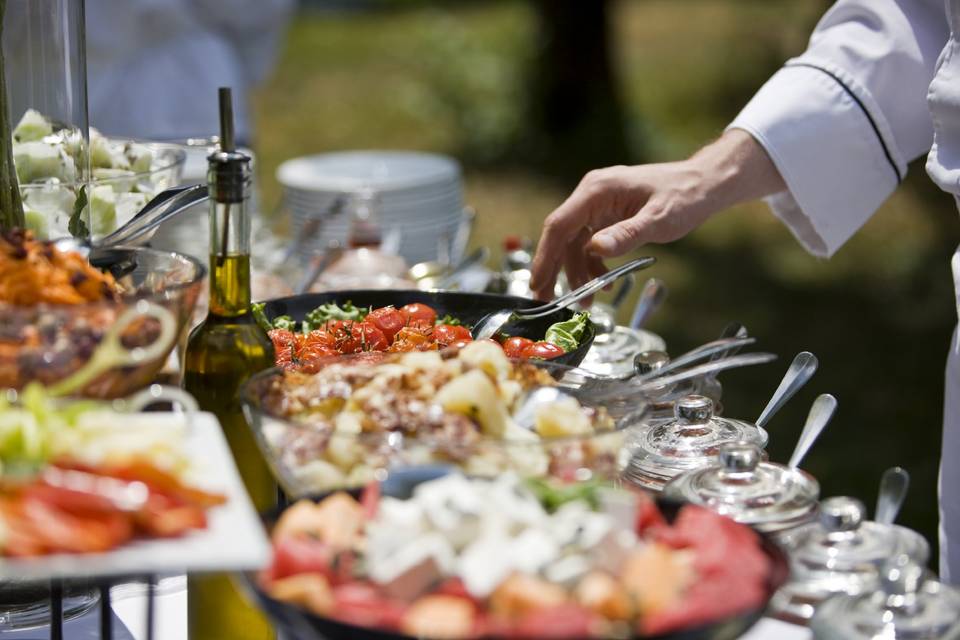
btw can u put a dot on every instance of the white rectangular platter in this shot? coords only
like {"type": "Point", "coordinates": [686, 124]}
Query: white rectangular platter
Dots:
{"type": "Point", "coordinates": [234, 539]}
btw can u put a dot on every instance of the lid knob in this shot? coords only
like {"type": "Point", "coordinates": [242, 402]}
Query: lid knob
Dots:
{"type": "Point", "coordinates": [647, 361]}
{"type": "Point", "coordinates": [841, 514]}
{"type": "Point", "coordinates": [739, 457]}
{"type": "Point", "coordinates": [696, 409]}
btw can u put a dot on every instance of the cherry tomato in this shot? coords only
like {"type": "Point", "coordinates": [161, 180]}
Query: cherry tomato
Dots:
{"type": "Point", "coordinates": [447, 334]}
{"type": "Point", "coordinates": [418, 313]}
{"type": "Point", "coordinates": [413, 339]}
{"type": "Point", "coordinates": [356, 337]}
{"type": "Point", "coordinates": [388, 320]}
{"type": "Point", "coordinates": [460, 344]}
{"type": "Point", "coordinates": [542, 350]}
{"type": "Point", "coordinates": [515, 346]}
{"type": "Point", "coordinates": [319, 338]}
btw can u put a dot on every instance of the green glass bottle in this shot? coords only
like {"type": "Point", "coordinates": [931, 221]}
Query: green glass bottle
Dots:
{"type": "Point", "coordinates": [221, 354]}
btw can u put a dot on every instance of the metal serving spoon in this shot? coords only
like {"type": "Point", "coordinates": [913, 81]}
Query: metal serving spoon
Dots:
{"type": "Point", "coordinates": [820, 414]}
{"type": "Point", "coordinates": [582, 381]}
{"type": "Point", "coordinates": [893, 489]}
{"type": "Point", "coordinates": [489, 325]}
{"type": "Point", "coordinates": [164, 206]}
{"type": "Point", "coordinates": [802, 368]}
{"type": "Point", "coordinates": [653, 294]}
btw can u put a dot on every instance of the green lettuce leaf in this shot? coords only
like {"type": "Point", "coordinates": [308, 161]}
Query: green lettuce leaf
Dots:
{"type": "Point", "coordinates": [332, 311]}
{"type": "Point", "coordinates": [568, 334]}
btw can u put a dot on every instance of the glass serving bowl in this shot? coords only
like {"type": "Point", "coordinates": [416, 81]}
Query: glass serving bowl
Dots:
{"type": "Point", "coordinates": [48, 343]}
{"type": "Point", "coordinates": [307, 461]}
{"type": "Point", "coordinates": [53, 199]}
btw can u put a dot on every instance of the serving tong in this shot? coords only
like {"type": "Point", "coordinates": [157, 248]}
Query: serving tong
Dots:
{"type": "Point", "coordinates": [492, 323]}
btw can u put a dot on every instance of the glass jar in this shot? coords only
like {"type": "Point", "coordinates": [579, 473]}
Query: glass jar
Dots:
{"type": "Point", "coordinates": [662, 449]}
{"type": "Point", "coordinates": [44, 51]}
{"type": "Point", "coordinates": [840, 553]}
{"type": "Point", "coordinates": [772, 498]}
{"type": "Point", "coordinates": [909, 605]}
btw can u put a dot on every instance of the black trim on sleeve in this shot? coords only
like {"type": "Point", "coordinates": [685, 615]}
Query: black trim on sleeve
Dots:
{"type": "Point", "coordinates": [860, 104]}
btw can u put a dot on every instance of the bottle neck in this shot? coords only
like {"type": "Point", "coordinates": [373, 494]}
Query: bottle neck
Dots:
{"type": "Point", "coordinates": [230, 257]}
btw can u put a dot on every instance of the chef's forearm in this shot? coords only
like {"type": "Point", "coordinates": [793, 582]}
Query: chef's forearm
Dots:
{"type": "Point", "coordinates": [736, 169]}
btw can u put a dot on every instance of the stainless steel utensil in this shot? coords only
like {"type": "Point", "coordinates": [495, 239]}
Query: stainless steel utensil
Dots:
{"type": "Point", "coordinates": [802, 368]}
{"type": "Point", "coordinates": [711, 350]}
{"type": "Point", "coordinates": [488, 326]}
{"type": "Point", "coordinates": [893, 489]}
{"type": "Point", "coordinates": [653, 294]}
{"type": "Point", "coordinates": [731, 362]}
{"type": "Point", "coordinates": [166, 205]}
{"type": "Point", "coordinates": [820, 414]}
{"type": "Point", "coordinates": [333, 251]}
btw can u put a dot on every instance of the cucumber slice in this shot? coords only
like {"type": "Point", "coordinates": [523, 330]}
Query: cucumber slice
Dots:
{"type": "Point", "coordinates": [32, 127]}
{"type": "Point", "coordinates": [36, 221]}
{"type": "Point", "coordinates": [36, 161]}
{"type": "Point", "coordinates": [103, 210]}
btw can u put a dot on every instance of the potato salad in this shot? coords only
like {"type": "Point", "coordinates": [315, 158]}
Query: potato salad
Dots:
{"type": "Point", "coordinates": [358, 414]}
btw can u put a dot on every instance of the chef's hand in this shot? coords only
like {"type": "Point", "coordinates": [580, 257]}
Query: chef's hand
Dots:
{"type": "Point", "coordinates": [618, 209]}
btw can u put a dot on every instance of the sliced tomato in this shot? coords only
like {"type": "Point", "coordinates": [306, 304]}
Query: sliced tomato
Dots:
{"type": "Point", "coordinates": [388, 320]}
{"type": "Point", "coordinates": [293, 555]}
{"type": "Point", "coordinates": [418, 314]}
{"type": "Point", "coordinates": [361, 604]}
{"type": "Point", "coordinates": [542, 351]}
{"type": "Point", "coordinates": [446, 334]}
{"type": "Point", "coordinates": [515, 346]}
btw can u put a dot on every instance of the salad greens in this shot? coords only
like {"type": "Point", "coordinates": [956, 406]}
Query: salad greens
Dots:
{"type": "Point", "coordinates": [450, 320]}
{"type": "Point", "coordinates": [332, 311]}
{"type": "Point", "coordinates": [553, 495]}
{"type": "Point", "coordinates": [568, 334]}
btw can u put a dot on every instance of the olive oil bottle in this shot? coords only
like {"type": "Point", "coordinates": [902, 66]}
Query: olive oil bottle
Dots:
{"type": "Point", "coordinates": [222, 352]}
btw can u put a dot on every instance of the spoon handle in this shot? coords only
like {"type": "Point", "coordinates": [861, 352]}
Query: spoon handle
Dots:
{"type": "Point", "coordinates": [702, 352]}
{"type": "Point", "coordinates": [820, 414]}
{"type": "Point", "coordinates": [652, 296]}
{"type": "Point", "coordinates": [164, 206]}
{"type": "Point", "coordinates": [733, 362]}
{"type": "Point", "coordinates": [893, 489]}
{"type": "Point", "coordinates": [804, 365]}
{"type": "Point", "coordinates": [585, 290]}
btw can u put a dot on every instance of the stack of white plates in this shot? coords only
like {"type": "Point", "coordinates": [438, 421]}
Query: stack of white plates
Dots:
{"type": "Point", "coordinates": [420, 198]}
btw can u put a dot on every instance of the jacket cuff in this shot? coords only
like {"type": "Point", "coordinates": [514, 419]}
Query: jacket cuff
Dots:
{"type": "Point", "coordinates": [829, 150]}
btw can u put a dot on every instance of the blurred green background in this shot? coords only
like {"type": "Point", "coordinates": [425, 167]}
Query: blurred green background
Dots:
{"type": "Point", "coordinates": [531, 94]}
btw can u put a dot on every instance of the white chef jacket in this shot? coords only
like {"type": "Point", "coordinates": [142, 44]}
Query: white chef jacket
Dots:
{"type": "Point", "coordinates": [154, 66]}
{"type": "Point", "coordinates": [878, 86]}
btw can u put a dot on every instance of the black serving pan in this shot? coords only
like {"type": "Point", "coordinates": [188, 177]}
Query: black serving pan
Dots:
{"type": "Point", "coordinates": [299, 624]}
{"type": "Point", "coordinates": [469, 308]}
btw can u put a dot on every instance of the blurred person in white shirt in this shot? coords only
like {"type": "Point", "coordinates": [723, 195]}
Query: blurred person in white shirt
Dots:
{"type": "Point", "coordinates": [154, 66]}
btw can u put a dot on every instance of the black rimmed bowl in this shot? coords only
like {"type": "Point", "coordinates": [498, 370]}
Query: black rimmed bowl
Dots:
{"type": "Point", "coordinates": [469, 308]}
{"type": "Point", "coordinates": [296, 622]}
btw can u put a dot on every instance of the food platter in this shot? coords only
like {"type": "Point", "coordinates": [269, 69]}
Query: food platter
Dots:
{"type": "Point", "coordinates": [232, 541]}
{"type": "Point", "coordinates": [469, 308]}
{"type": "Point", "coordinates": [304, 624]}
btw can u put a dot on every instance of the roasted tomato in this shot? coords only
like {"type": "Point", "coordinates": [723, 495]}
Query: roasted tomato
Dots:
{"type": "Point", "coordinates": [413, 339]}
{"type": "Point", "coordinates": [388, 320]}
{"type": "Point", "coordinates": [460, 344]}
{"type": "Point", "coordinates": [515, 346]}
{"type": "Point", "coordinates": [418, 314]}
{"type": "Point", "coordinates": [357, 337]}
{"type": "Point", "coordinates": [319, 338]}
{"type": "Point", "coordinates": [542, 351]}
{"type": "Point", "coordinates": [447, 334]}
